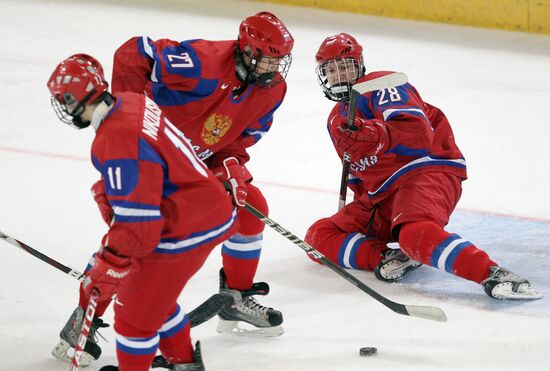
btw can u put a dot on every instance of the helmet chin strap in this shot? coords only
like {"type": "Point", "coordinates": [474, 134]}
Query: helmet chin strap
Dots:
{"type": "Point", "coordinates": [78, 123]}
{"type": "Point", "coordinates": [265, 78]}
{"type": "Point", "coordinates": [341, 91]}
{"type": "Point", "coordinates": [79, 110]}
{"type": "Point", "coordinates": [98, 115]}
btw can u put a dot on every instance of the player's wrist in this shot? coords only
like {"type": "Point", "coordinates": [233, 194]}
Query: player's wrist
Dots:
{"type": "Point", "coordinates": [110, 257]}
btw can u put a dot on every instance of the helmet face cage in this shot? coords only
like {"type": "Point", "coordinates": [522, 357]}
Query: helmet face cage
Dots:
{"type": "Point", "coordinates": [337, 76]}
{"type": "Point", "coordinates": [266, 71]}
{"type": "Point", "coordinates": [71, 118]}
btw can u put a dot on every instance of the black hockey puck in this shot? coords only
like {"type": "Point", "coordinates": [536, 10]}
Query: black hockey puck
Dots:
{"type": "Point", "coordinates": [367, 351]}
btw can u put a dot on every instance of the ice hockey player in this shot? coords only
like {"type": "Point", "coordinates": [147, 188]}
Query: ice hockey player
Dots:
{"type": "Point", "coordinates": [169, 212]}
{"type": "Point", "coordinates": [222, 95]}
{"type": "Point", "coordinates": [406, 173]}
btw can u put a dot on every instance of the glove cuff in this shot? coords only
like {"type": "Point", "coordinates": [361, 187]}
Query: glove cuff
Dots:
{"type": "Point", "coordinates": [111, 257]}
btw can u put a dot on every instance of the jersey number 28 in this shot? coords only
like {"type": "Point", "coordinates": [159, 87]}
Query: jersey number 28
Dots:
{"type": "Point", "coordinates": [388, 95]}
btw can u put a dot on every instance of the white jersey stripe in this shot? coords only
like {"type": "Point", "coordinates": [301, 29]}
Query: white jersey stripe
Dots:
{"type": "Point", "coordinates": [198, 239]}
{"type": "Point", "coordinates": [126, 211]}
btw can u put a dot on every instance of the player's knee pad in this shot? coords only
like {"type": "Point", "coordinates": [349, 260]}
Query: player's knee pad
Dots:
{"type": "Point", "coordinates": [348, 250]}
{"type": "Point", "coordinates": [249, 224]}
{"type": "Point", "coordinates": [322, 230]}
{"type": "Point", "coordinates": [325, 237]}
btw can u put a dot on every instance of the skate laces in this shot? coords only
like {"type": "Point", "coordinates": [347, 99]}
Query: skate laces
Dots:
{"type": "Point", "coordinates": [76, 326]}
{"type": "Point", "coordinates": [502, 275]}
{"type": "Point", "coordinates": [250, 305]}
{"type": "Point", "coordinates": [97, 323]}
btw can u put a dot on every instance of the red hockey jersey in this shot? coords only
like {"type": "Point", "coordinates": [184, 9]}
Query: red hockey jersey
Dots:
{"type": "Point", "coordinates": [163, 197]}
{"type": "Point", "coordinates": [194, 83]}
{"type": "Point", "coordinates": [421, 140]}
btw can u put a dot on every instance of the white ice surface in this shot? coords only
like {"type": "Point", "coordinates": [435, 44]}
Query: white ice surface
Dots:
{"type": "Point", "coordinates": [494, 86]}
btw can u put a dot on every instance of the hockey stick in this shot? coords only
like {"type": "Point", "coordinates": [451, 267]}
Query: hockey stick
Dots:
{"type": "Point", "coordinates": [432, 313]}
{"type": "Point", "coordinates": [357, 90]}
{"type": "Point", "coordinates": [197, 316]}
{"type": "Point", "coordinates": [37, 254]}
{"type": "Point", "coordinates": [85, 331]}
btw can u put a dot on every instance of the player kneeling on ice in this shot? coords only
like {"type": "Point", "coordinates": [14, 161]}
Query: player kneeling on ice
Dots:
{"type": "Point", "coordinates": [405, 170]}
{"type": "Point", "coordinates": [161, 195]}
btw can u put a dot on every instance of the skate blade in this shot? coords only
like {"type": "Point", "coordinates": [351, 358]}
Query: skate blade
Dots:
{"type": "Point", "coordinates": [64, 352]}
{"type": "Point", "coordinates": [239, 328]}
{"type": "Point", "coordinates": [525, 292]}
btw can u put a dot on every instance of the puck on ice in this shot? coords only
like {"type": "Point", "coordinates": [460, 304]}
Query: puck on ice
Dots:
{"type": "Point", "coordinates": [367, 351]}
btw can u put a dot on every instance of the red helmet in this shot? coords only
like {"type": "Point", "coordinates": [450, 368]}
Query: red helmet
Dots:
{"type": "Point", "coordinates": [339, 65]}
{"type": "Point", "coordinates": [266, 33]}
{"type": "Point", "coordinates": [82, 58]}
{"type": "Point", "coordinates": [338, 47]}
{"type": "Point", "coordinates": [75, 82]}
{"type": "Point", "coordinates": [263, 41]}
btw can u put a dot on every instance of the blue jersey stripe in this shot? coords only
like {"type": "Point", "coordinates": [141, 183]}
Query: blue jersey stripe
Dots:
{"type": "Point", "coordinates": [418, 163]}
{"type": "Point", "coordinates": [171, 246]}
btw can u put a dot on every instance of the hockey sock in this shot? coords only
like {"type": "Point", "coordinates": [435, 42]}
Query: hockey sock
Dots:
{"type": "Point", "coordinates": [135, 349]}
{"type": "Point", "coordinates": [241, 255]}
{"type": "Point", "coordinates": [428, 243]}
{"type": "Point", "coordinates": [348, 250]}
{"type": "Point", "coordinates": [175, 339]}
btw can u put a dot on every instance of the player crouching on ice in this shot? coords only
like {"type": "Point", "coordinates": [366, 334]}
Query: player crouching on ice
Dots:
{"type": "Point", "coordinates": [161, 194]}
{"type": "Point", "coordinates": [406, 173]}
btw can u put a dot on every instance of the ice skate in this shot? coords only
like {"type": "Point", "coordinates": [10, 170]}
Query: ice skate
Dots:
{"type": "Point", "coordinates": [503, 284]}
{"type": "Point", "coordinates": [243, 315]}
{"type": "Point", "coordinates": [394, 266]}
{"type": "Point", "coordinates": [68, 338]}
{"type": "Point", "coordinates": [198, 365]}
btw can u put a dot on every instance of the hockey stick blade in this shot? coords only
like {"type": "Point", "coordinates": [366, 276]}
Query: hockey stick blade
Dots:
{"type": "Point", "coordinates": [384, 82]}
{"type": "Point", "coordinates": [431, 313]}
{"type": "Point", "coordinates": [197, 316]}
{"type": "Point", "coordinates": [208, 309]}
